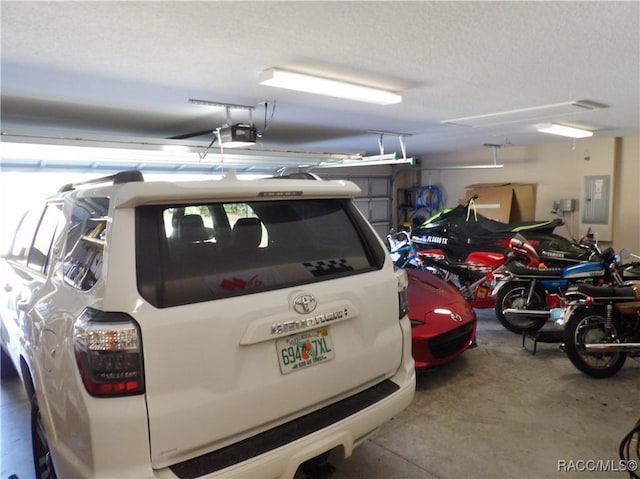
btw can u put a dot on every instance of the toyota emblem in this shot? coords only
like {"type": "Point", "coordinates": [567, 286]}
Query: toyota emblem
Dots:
{"type": "Point", "coordinates": [304, 303]}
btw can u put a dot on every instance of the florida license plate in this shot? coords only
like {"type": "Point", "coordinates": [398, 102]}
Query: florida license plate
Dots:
{"type": "Point", "coordinates": [303, 350]}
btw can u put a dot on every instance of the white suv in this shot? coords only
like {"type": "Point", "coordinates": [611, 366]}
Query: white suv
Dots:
{"type": "Point", "coordinates": [202, 329]}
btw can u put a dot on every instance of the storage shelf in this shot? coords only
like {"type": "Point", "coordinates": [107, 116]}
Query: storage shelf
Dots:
{"type": "Point", "coordinates": [97, 242]}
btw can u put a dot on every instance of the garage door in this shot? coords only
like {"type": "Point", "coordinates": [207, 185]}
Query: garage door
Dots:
{"type": "Point", "coordinates": [374, 200]}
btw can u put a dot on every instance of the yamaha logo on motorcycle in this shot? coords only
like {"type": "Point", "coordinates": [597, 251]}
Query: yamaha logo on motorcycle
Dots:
{"type": "Point", "coordinates": [553, 254]}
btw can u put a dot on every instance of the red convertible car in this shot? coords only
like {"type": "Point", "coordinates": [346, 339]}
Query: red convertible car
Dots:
{"type": "Point", "coordinates": [443, 324]}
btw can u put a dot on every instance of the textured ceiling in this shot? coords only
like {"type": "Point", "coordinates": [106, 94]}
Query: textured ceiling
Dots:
{"type": "Point", "coordinates": [129, 68]}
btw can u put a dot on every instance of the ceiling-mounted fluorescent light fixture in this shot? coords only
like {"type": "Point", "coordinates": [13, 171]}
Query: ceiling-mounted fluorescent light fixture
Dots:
{"type": "Point", "coordinates": [563, 130]}
{"type": "Point", "coordinates": [528, 115]}
{"type": "Point", "coordinates": [324, 86]}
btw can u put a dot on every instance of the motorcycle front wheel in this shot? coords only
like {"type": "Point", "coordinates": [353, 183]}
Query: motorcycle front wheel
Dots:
{"type": "Point", "coordinates": [514, 296]}
{"type": "Point", "coordinates": [587, 326]}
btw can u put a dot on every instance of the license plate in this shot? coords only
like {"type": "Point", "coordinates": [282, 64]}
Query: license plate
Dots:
{"type": "Point", "coordinates": [304, 350]}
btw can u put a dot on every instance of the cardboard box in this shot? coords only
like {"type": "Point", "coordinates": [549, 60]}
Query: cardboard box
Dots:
{"type": "Point", "coordinates": [506, 202]}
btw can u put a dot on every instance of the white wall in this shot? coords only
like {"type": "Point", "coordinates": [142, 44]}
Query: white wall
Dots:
{"type": "Point", "coordinates": [626, 213]}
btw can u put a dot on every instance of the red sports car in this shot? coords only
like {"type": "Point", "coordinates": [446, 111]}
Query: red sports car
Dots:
{"type": "Point", "coordinates": [443, 323]}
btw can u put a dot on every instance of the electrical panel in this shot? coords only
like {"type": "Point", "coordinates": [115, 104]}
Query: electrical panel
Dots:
{"type": "Point", "coordinates": [596, 199]}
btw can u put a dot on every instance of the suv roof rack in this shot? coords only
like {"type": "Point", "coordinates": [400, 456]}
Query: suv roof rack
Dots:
{"type": "Point", "coordinates": [127, 176]}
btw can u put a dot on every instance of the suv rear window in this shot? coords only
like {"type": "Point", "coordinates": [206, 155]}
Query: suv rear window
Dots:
{"type": "Point", "coordinates": [85, 242]}
{"type": "Point", "coordinates": [190, 253]}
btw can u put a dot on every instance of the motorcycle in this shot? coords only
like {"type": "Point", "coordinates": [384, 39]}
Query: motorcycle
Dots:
{"type": "Point", "coordinates": [520, 291]}
{"type": "Point", "coordinates": [601, 327]}
{"type": "Point", "coordinates": [402, 250]}
{"type": "Point", "coordinates": [473, 276]}
{"type": "Point", "coordinates": [460, 231]}
{"type": "Point", "coordinates": [526, 297]}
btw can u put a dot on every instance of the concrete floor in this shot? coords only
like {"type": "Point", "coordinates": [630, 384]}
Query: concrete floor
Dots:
{"type": "Point", "coordinates": [496, 412]}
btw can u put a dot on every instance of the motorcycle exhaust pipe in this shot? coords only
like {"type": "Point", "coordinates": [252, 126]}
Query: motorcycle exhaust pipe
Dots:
{"type": "Point", "coordinates": [527, 312]}
{"type": "Point", "coordinates": [612, 348]}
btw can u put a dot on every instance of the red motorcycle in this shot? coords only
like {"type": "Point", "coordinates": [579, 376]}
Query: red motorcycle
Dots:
{"type": "Point", "coordinates": [474, 276]}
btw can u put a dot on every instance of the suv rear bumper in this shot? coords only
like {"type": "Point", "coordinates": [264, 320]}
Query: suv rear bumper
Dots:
{"type": "Point", "coordinates": [279, 452]}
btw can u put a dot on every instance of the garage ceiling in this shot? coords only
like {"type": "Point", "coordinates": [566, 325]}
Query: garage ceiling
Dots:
{"type": "Point", "coordinates": [129, 69]}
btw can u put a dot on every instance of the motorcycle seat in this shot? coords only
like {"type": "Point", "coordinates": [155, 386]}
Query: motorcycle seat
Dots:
{"type": "Point", "coordinates": [604, 292]}
{"type": "Point", "coordinates": [523, 271]}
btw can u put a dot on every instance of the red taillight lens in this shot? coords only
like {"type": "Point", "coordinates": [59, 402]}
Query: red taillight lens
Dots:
{"type": "Point", "coordinates": [108, 352]}
{"type": "Point", "coordinates": [588, 301]}
{"type": "Point", "coordinates": [552, 300]}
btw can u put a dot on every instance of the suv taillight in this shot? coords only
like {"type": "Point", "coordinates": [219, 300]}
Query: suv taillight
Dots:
{"type": "Point", "coordinates": [108, 352]}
